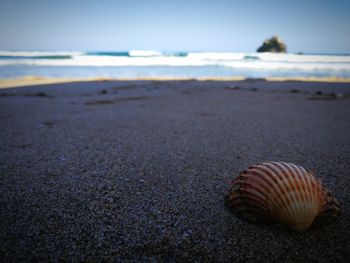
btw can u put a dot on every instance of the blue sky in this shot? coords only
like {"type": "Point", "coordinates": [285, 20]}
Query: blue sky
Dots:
{"type": "Point", "coordinates": [227, 25]}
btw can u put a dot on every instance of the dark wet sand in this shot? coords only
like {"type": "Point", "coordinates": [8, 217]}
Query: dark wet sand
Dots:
{"type": "Point", "coordinates": [138, 170]}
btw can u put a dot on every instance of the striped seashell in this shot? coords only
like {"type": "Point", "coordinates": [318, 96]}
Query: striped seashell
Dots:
{"type": "Point", "coordinates": [283, 193]}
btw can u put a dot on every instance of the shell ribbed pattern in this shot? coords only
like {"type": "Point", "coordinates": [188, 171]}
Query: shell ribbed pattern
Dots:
{"type": "Point", "coordinates": [280, 192]}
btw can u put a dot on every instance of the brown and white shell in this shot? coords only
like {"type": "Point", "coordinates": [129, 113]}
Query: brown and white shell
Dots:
{"type": "Point", "coordinates": [283, 193]}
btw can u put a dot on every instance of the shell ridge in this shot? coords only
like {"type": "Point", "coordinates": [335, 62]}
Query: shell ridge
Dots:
{"type": "Point", "coordinates": [290, 194]}
{"type": "Point", "coordinates": [304, 179]}
{"type": "Point", "coordinates": [285, 180]}
{"type": "Point", "coordinates": [261, 181]}
{"type": "Point", "coordinates": [292, 181]}
{"type": "Point", "coordinates": [274, 201]}
{"type": "Point", "coordinates": [283, 184]}
{"type": "Point", "coordinates": [284, 207]}
{"type": "Point", "coordinates": [280, 192]}
{"type": "Point", "coordinates": [315, 192]}
{"type": "Point", "coordinates": [246, 207]}
{"type": "Point", "coordinates": [260, 195]}
{"type": "Point", "coordinates": [247, 201]}
{"type": "Point", "coordinates": [305, 189]}
{"type": "Point", "coordinates": [243, 179]}
{"type": "Point", "coordinates": [243, 196]}
{"type": "Point", "coordinates": [302, 189]}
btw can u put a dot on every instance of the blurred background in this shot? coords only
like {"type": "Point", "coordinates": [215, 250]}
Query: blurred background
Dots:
{"type": "Point", "coordinates": [174, 39]}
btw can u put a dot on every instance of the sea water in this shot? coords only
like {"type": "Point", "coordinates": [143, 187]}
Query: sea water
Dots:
{"type": "Point", "coordinates": [138, 64]}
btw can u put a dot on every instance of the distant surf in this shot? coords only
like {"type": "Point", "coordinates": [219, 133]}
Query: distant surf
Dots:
{"type": "Point", "coordinates": [151, 63]}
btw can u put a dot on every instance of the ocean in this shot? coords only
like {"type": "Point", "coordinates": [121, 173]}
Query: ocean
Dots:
{"type": "Point", "coordinates": [148, 64]}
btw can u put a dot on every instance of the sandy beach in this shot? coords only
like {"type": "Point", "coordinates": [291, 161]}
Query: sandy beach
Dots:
{"type": "Point", "coordinates": [36, 80]}
{"type": "Point", "coordinates": [138, 170]}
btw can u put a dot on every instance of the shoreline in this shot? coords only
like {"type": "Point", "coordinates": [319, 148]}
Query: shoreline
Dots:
{"type": "Point", "coordinates": [37, 80]}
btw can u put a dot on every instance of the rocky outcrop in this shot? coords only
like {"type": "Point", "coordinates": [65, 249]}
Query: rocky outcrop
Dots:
{"type": "Point", "coordinates": [273, 44]}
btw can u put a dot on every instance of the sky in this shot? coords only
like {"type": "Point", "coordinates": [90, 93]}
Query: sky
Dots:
{"type": "Point", "coordinates": [176, 25]}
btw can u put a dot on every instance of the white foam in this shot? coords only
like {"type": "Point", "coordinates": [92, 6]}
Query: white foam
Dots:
{"type": "Point", "coordinates": [144, 53]}
{"type": "Point", "coordinates": [255, 61]}
{"type": "Point", "coordinates": [110, 61]}
{"type": "Point", "coordinates": [216, 56]}
{"type": "Point", "coordinates": [273, 65]}
{"type": "Point", "coordinates": [303, 58]}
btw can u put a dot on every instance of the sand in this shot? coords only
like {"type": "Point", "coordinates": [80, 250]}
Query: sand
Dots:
{"type": "Point", "coordinates": [138, 170]}
{"type": "Point", "coordinates": [36, 80]}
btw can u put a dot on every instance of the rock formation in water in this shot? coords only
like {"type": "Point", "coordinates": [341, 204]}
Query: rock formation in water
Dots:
{"type": "Point", "coordinates": [273, 44]}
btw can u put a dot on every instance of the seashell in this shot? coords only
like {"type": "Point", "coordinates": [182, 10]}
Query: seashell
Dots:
{"type": "Point", "coordinates": [282, 193]}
